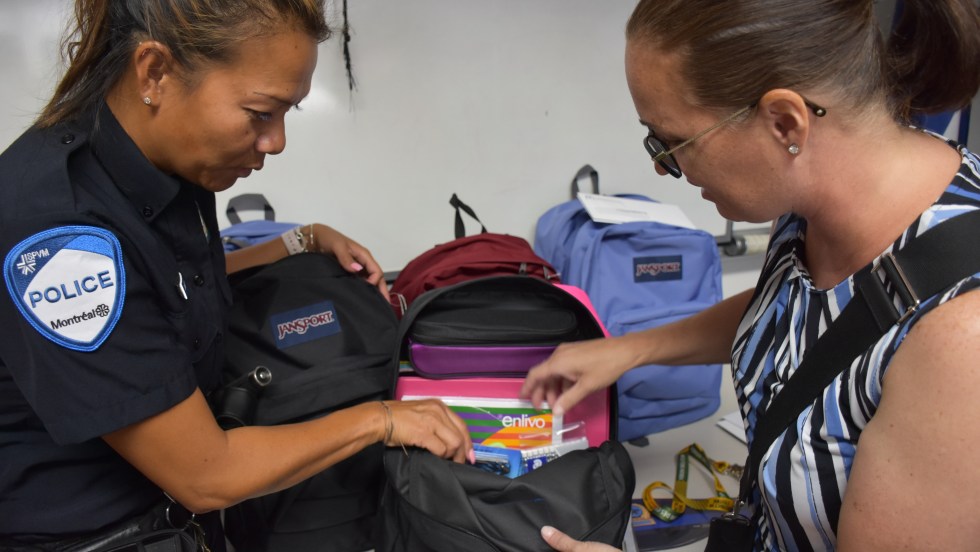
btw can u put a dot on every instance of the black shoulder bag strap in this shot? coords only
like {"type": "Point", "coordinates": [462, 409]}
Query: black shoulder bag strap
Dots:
{"type": "Point", "coordinates": [926, 266]}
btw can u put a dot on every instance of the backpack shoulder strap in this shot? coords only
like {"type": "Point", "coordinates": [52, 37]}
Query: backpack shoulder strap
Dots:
{"type": "Point", "coordinates": [929, 264]}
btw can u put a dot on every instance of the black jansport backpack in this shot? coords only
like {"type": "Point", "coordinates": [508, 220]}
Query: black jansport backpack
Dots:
{"type": "Point", "coordinates": [307, 338]}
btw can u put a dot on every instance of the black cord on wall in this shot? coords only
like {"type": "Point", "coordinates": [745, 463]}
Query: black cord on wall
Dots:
{"type": "Point", "coordinates": [351, 84]}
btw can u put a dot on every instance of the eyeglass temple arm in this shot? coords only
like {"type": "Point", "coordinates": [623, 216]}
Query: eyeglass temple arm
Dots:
{"type": "Point", "coordinates": [817, 110]}
{"type": "Point", "coordinates": [664, 154]}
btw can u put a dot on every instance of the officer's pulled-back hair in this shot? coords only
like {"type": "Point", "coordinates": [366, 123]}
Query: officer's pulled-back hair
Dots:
{"type": "Point", "coordinates": [105, 33]}
{"type": "Point", "coordinates": [734, 52]}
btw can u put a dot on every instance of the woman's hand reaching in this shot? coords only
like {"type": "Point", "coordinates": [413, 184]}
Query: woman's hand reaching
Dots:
{"type": "Point", "coordinates": [577, 369]}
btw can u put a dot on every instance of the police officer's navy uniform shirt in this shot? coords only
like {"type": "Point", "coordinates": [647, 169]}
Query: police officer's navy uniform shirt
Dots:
{"type": "Point", "coordinates": [114, 311]}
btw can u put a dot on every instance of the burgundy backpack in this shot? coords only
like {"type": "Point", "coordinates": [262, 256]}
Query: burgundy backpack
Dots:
{"type": "Point", "coordinates": [466, 258]}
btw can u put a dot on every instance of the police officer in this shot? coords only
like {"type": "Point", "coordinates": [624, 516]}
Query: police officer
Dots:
{"type": "Point", "coordinates": [117, 295]}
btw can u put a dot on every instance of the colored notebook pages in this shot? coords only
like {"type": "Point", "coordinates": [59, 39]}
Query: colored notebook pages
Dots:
{"type": "Point", "coordinates": [510, 423]}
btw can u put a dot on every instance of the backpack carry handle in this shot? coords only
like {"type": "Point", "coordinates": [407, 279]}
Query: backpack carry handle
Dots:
{"type": "Point", "coordinates": [590, 172]}
{"type": "Point", "coordinates": [248, 202]}
{"type": "Point", "coordinates": [460, 228]}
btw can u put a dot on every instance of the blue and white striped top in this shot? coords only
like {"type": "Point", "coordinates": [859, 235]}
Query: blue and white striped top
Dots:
{"type": "Point", "coordinates": [807, 467]}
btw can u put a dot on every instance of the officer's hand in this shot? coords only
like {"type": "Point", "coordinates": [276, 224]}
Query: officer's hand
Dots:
{"type": "Point", "coordinates": [563, 543]}
{"type": "Point", "coordinates": [431, 425]}
{"type": "Point", "coordinates": [353, 256]}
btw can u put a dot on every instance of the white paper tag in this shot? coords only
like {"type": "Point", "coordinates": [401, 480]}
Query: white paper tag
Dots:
{"type": "Point", "coordinates": [617, 210]}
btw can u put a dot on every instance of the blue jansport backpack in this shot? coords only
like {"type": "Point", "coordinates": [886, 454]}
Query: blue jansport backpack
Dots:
{"type": "Point", "coordinates": [250, 232]}
{"type": "Point", "coordinates": [640, 275]}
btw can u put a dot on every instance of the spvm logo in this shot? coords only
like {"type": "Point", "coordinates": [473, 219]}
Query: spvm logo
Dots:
{"type": "Point", "coordinates": [304, 324]}
{"type": "Point", "coordinates": [28, 261]}
{"type": "Point", "coordinates": [658, 269]}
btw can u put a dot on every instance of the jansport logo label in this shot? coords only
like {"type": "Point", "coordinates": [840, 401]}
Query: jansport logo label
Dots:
{"type": "Point", "coordinates": [304, 324]}
{"type": "Point", "coordinates": [300, 325]}
{"type": "Point", "coordinates": [658, 269]}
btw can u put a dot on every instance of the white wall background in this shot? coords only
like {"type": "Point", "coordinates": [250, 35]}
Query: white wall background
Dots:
{"type": "Point", "coordinates": [498, 101]}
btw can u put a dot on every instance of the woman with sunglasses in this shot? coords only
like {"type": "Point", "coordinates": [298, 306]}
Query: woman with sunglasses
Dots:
{"type": "Point", "coordinates": [799, 112]}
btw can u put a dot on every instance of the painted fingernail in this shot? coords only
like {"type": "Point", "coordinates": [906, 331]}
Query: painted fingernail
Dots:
{"type": "Point", "coordinates": [356, 266]}
{"type": "Point", "coordinates": [471, 456]}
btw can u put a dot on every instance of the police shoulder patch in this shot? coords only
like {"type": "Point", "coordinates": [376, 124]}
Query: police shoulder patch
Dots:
{"type": "Point", "coordinates": [69, 283]}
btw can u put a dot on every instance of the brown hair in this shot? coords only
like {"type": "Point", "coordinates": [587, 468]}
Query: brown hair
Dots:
{"type": "Point", "coordinates": [735, 51]}
{"type": "Point", "coordinates": [106, 32]}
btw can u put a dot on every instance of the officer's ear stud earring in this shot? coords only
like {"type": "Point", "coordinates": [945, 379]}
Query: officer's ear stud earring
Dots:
{"type": "Point", "coordinates": [793, 149]}
{"type": "Point", "coordinates": [147, 100]}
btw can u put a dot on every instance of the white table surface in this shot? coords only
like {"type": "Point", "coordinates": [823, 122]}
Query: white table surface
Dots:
{"type": "Point", "coordinates": [655, 461]}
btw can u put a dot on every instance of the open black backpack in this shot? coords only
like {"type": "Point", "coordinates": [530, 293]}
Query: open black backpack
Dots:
{"type": "Point", "coordinates": [307, 338]}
